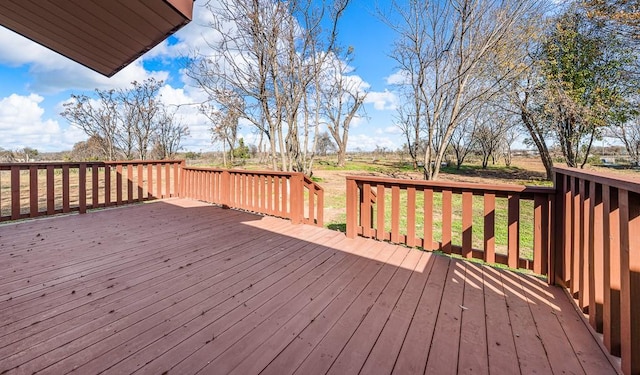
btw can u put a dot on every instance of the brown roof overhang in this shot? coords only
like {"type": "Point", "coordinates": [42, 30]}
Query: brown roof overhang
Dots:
{"type": "Point", "coordinates": [104, 35]}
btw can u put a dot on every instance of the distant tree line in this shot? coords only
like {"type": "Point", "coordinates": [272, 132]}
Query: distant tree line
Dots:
{"type": "Point", "coordinates": [131, 123]}
{"type": "Point", "coordinates": [24, 154]}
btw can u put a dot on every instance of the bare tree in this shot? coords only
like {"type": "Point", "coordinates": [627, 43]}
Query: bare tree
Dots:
{"type": "Point", "coordinates": [341, 100]}
{"type": "Point", "coordinates": [168, 135]}
{"type": "Point", "coordinates": [510, 136]}
{"type": "Point", "coordinates": [99, 118]}
{"type": "Point", "coordinates": [455, 44]}
{"type": "Point", "coordinates": [325, 144]}
{"type": "Point", "coordinates": [407, 119]}
{"type": "Point", "coordinates": [6, 156]}
{"type": "Point", "coordinates": [140, 107]}
{"type": "Point", "coordinates": [628, 133]}
{"type": "Point", "coordinates": [490, 131]}
{"type": "Point", "coordinates": [268, 52]}
{"type": "Point", "coordinates": [524, 98]}
{"type": "Point", "coordinates": [26, 154]}
{"type": "Point", "coordinates": [91, 149]}
{"type": "Point", "coordinates": [225, 119]}
{"type": "Point", "coordinates": [126, 121]}
{"type": "Point", "coordinates": [463, 139]}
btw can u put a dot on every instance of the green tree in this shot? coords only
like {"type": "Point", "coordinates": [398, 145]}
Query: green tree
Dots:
{"type": "Point", "coordinates": [242, 151]}
{"type": "Point", "coordinates": [582, 67]}
{"type": "Point", "coordinates": [620, 16]}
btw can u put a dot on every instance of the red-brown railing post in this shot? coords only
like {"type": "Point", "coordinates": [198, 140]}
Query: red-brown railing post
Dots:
{"type": "Point", "coordinates": [150, 190]}
{"type": "Point", "coordinates": [428, 220]}
{"type": "Point", "coordinates": [33, 191]}
{"type": "Point", "coordinates": [556, 264]}
{"type": "Point", "coordinates": [297, 198]}
{"type": "Point", "coordinates": [107, 185]}
{"type": "Point", "coordinates": [411, 216]}
{"type": "Point", "coordinates": [225, 189]}
{"type": "Point", "coordinates": [140, 183]}
{"type": "Point", "coordinates": [66, 190]}
{"type": "Point", "coordinates": [352, 208]}
{"type": "Point", "coordinates": [82, 187]}
{"type": "Point", "coordinates": [320, 208]}
{"type": "Point", "coordinates": [15, 192]}
{"type": "Point", "coordinates": [129, 183]}
{"type": "Point", "coordinates": [611, 266]}
{"type": "Point", "coordinates": [94, 186]}
{"type": "Point", "coordinates": [177, 178]}
{"type": "Point", "coordinates": [183, 181]}
{"type": "Point", "coordinates": [119, 184]}
{"type": "Point", "coordinates": [629, 204]}
{"type": "Point", "coordinates": [446, 221]}
{"type": "Point", "coordinates": [51, 192]}
{"type": "Point", "coordinates": [365, 210]}
{"type": "Point", "coordinates": [513, 230]}
{"type": "Point", "coordinates": [540, 233]}
{"type": "Point", "coordinates": [583, 261]}
{"type": "Point", "coordinates": [467, 224]}
{"type": "Point", "coordinates": [596, 245]}
{"type": "Point", "coordinates": [380, 222]}
{"type": "Point", "coordinates": [489, 228]}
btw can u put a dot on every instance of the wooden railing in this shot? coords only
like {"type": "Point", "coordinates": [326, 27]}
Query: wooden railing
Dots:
{"type": "Point", "coordinates": [598, 255]}
{"type": "Point", "coordinates": [288, 195]}
{"type": "Point", "coordinates": [585, 236]}
{"type": "Point", "coordinates": [30, 190]}
{"type": "Point", "coordinates": [407, 212]}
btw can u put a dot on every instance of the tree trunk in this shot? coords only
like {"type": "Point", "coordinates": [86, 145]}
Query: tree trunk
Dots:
{"type": "Point", "coordinates": [538, 140]}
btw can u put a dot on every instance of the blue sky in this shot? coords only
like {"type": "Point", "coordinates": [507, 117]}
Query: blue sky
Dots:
{"type": "Point", "coordinates": [35, 82]}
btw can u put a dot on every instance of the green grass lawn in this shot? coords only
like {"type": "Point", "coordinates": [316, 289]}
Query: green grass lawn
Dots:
{"type": "Point", "coordinates": [501, 217]}
{"type": "Point", "coordinates": [500, 173]}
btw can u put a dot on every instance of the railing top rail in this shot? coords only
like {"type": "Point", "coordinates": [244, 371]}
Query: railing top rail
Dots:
{"type": "Point", "coordinates": [124, 162]}
{"type": "Point", "coordinates": [44, 164]}
{"type": "Point", "coordinates": [610, 179]}
{"type": "Point", "coordinates": [457, 186]}
{"type": "Point", "coordinates": [27, 165]}
{"type": "Point", "coordinates": [309, 181]}
{"type": "Point", "coordinates": [248, 171]}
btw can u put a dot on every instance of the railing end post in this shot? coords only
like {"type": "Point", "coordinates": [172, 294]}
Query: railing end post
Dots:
{"type": "Point", "coordinates": [297, 198]}
{"type": "Point", "coordinates": [352, 206]}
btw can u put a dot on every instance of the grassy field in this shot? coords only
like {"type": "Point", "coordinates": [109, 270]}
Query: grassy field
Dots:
{"type": "Point", "coordinates": [332, 179]}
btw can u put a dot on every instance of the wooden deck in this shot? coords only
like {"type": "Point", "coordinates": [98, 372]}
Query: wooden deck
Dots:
{"type": "Point", "coordinates": [181, 287]}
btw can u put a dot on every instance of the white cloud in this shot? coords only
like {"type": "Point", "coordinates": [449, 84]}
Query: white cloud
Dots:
{"type": "Point", "coordinates": [52, 73]}
{"type": "Point", "coordinates": [186, 104]}
{"type": "Point", "coordinates": [368, 143]}
{"type": "Point", "coordinates": [382, 101]}
{"type": "Point", "coordinates": [195, 36]}
{"type": "Point", "coordinates": [400, 77]}
{"type": "Point", "coordinates": [389, 130]}
{"type": "Point", "coordinates": [22, 125]}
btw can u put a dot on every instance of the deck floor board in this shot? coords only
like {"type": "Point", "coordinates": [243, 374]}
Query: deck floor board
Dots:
{"type": "Point", "coordinates": [182, 287]}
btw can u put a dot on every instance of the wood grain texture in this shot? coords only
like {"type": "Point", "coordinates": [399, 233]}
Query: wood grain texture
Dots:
{"type": "Point", "coordinates": [185, 287]}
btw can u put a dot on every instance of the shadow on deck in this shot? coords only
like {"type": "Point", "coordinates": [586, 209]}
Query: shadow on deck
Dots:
{"type": "Point", "coordinates": [182, 287]}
